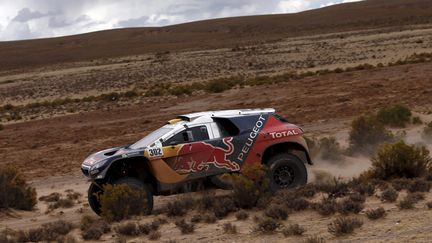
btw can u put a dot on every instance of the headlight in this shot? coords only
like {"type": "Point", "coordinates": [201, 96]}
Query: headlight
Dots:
{"type": "Point", "coordinates": [98, 165]}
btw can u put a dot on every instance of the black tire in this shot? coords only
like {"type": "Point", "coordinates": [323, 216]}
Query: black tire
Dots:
{"type": "Point", "coordinates": [92, 198]}
{"type": "Point", "coordinates": [135, 183]}
{"type": "Point", "coordinates": [286, 171]}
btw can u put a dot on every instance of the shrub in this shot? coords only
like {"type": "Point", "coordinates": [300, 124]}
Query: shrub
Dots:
{"type": "Point", "coordinates": [389, 195]}
{"type": "Point", "coordinates": [53, 197]}
{"type": "Point", "coordinates": [242, 215]}
{"type": "Point", "coordinates": [314, 239]}
{"type": "Point", "coordinates": [419, 185]}
{"type": "Point", "coordinates": [401, 183]}
{"type": "Point", "coordinates": [417, 121]}
{"type": "Point", "coordinates": [400, 160]}
{"type": "Point", "coordinates": [429, 205]}
{"type": "Point", "coordinates": [329, 149]}
{"type": "Point", "coordinates": [294, 229]}
{"type": "Point", "coordinates": [176, 208]}
{"type": "Point", "coordinates": [61, 203]}
{"type": "Point", "coordinates": [219, 85]}
{"type": "Point", "coordinates": [196, 218]}
{"type": "Point", "coordinates": [326, 207]}
{"type": "Point", "coordinates": [47, 232]}
{"type": "Point", "coordinates": [267, 225]}
{"type": "Point", "coordinates": [276, 212]}
{"type": "Point", "coordinates": [92, 228]}
{"type": "Point", "coordinates": [184, 227]}
{"type": "Point", "coordinates": [396, 115]}
{"type": "Point", "coordinates": [375, 213]}
{"type": "Point", "coordinates": [113, 202]}
{"type": "Point", "coordinates": [427, 132]}
{"type": "Point", "coordinates": [348, 205]}
{"type": "Point", "coordinates": [14, 190]}
{"type": "Point", "coordinates": [249, 186]}
{"type": "Point", "coordinates": [308, 191]}
{"type": "Point", "coordinates": [363, 188]}
{"type": "Point", "coordinates": [130, 229]}
{"type": "Point", "coordinates": [223, 206]}
{"type": "Point", "coordinates": [155, 235]}
{"type": "Point", "coordinates": [366, 133]}
{"type": "Point", "coordinates": [335, 188]}
{"type": "Point", "coordinates": [344, 226]}
{"type": "Point", "coordinates": [71, 195]}
{"type": "Point", "coordinates": [230, 228]}
{"type": "Point", "coordinates": [406, 203]}
{"type": "Point", "coordinates": [210, 219]}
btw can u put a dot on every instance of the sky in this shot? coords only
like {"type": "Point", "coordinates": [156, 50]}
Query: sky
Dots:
{"type": "Point", "coordinates": [29, 19]}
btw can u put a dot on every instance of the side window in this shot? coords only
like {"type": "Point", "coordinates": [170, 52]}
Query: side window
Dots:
{"type": "Point", "coordinates": [189, 135]}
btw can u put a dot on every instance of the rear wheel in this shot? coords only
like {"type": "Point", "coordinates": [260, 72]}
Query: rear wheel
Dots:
{"type": "Point", "coordinates": [286, 171]}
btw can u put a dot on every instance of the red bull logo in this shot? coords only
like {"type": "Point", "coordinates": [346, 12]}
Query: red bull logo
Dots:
{"type": "Point", "coordinates": [196, 157]}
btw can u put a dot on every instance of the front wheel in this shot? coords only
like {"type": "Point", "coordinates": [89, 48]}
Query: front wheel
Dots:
{"type": "Point", "coordinates": [286, 171]}
{"type": "Point", "coordinates": [93, 201]}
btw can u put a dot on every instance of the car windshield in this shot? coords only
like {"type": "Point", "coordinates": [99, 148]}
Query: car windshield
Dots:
{"type": "Point", "coordinates": [151, 138]}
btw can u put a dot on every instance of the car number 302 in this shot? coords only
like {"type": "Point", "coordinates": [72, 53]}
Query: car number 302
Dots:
{"type": "Point", "coordinates": [155, 152]}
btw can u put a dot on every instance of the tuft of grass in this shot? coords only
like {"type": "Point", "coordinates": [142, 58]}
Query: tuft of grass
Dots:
{"type": "Point", "coordinates": [47, 232]}
{"type": "Point", "coordinates": [344, 226]}
{"type": "Point", "coordinates": [389, 195]}
{"type": "Point", "coordinates": [229, 228]}
{"type": "Point", "coordinates": [419, 185]}
{"type": "Point", "coordinates": [416, 120]}
{"type": "Point", "coordinates": [92, 228]}
{"type": "Point", "coordinates": [185, 227]}
{"type": "Point", "coordinates": [242, 215]}
{"type": "Point", "coordinates": [395, 115]}
{"type": "Point", "coordinates": [267, 225]}
{"type": "Point", "coordinates": [53, 197]}
{"type": "Point", "coordinates": [314, 239]}
{"type": "Point", "coordinates": [326, 207]}
{"type": "Point", "coordinates": [223, 206]}
{"type": "Point", "coordinates": [294, 229]}
{"type": "Point", "coordinates": [348, 205]}
{"type": "Point", "coordinates": [155, 235]}
{"type": "Point", "coordinates": [276, 212]}
{"type": "Point", "coordinates": [410, 200]}
{"type": "Point", "coordinates": [376, 213]}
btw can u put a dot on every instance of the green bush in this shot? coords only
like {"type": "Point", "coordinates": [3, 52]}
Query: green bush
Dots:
{"type": "Point", "coordinates": [367, 133]}
{"type": "Point", "coordinates": [396, 115]}
{"type": "Point", "coordinates": [249, 186]}
{"type": "Point", "coordinates": [400, 160]}
{"type": "Point", "coordinates": [121, 201]}
{"type": "Point", "coordinates": [14, 190]}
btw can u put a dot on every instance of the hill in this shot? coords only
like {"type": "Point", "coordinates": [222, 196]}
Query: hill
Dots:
{"type": "Point", "coordinates": [216, 33]}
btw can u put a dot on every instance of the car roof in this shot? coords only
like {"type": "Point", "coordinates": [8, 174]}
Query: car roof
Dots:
{"type": "Point", "coordinates": [225, 113]}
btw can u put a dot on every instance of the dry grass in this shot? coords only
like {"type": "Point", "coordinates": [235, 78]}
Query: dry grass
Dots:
{"type": "Point", "coordinates": [344, 225]}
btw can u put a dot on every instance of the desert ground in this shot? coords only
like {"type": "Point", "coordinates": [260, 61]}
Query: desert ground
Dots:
{"type": "Point", "coordinates": [47, 143]}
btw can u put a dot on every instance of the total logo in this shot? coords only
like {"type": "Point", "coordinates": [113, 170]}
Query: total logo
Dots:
{"type": "Point", "coordinates": [284, 133]}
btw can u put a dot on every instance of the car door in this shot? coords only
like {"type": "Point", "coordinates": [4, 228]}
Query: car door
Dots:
{"type": "Point", "coordinates": [189, 152]}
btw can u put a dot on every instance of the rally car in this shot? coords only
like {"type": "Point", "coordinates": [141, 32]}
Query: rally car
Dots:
{"type": "Point", "coordinates": [198, 148]}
